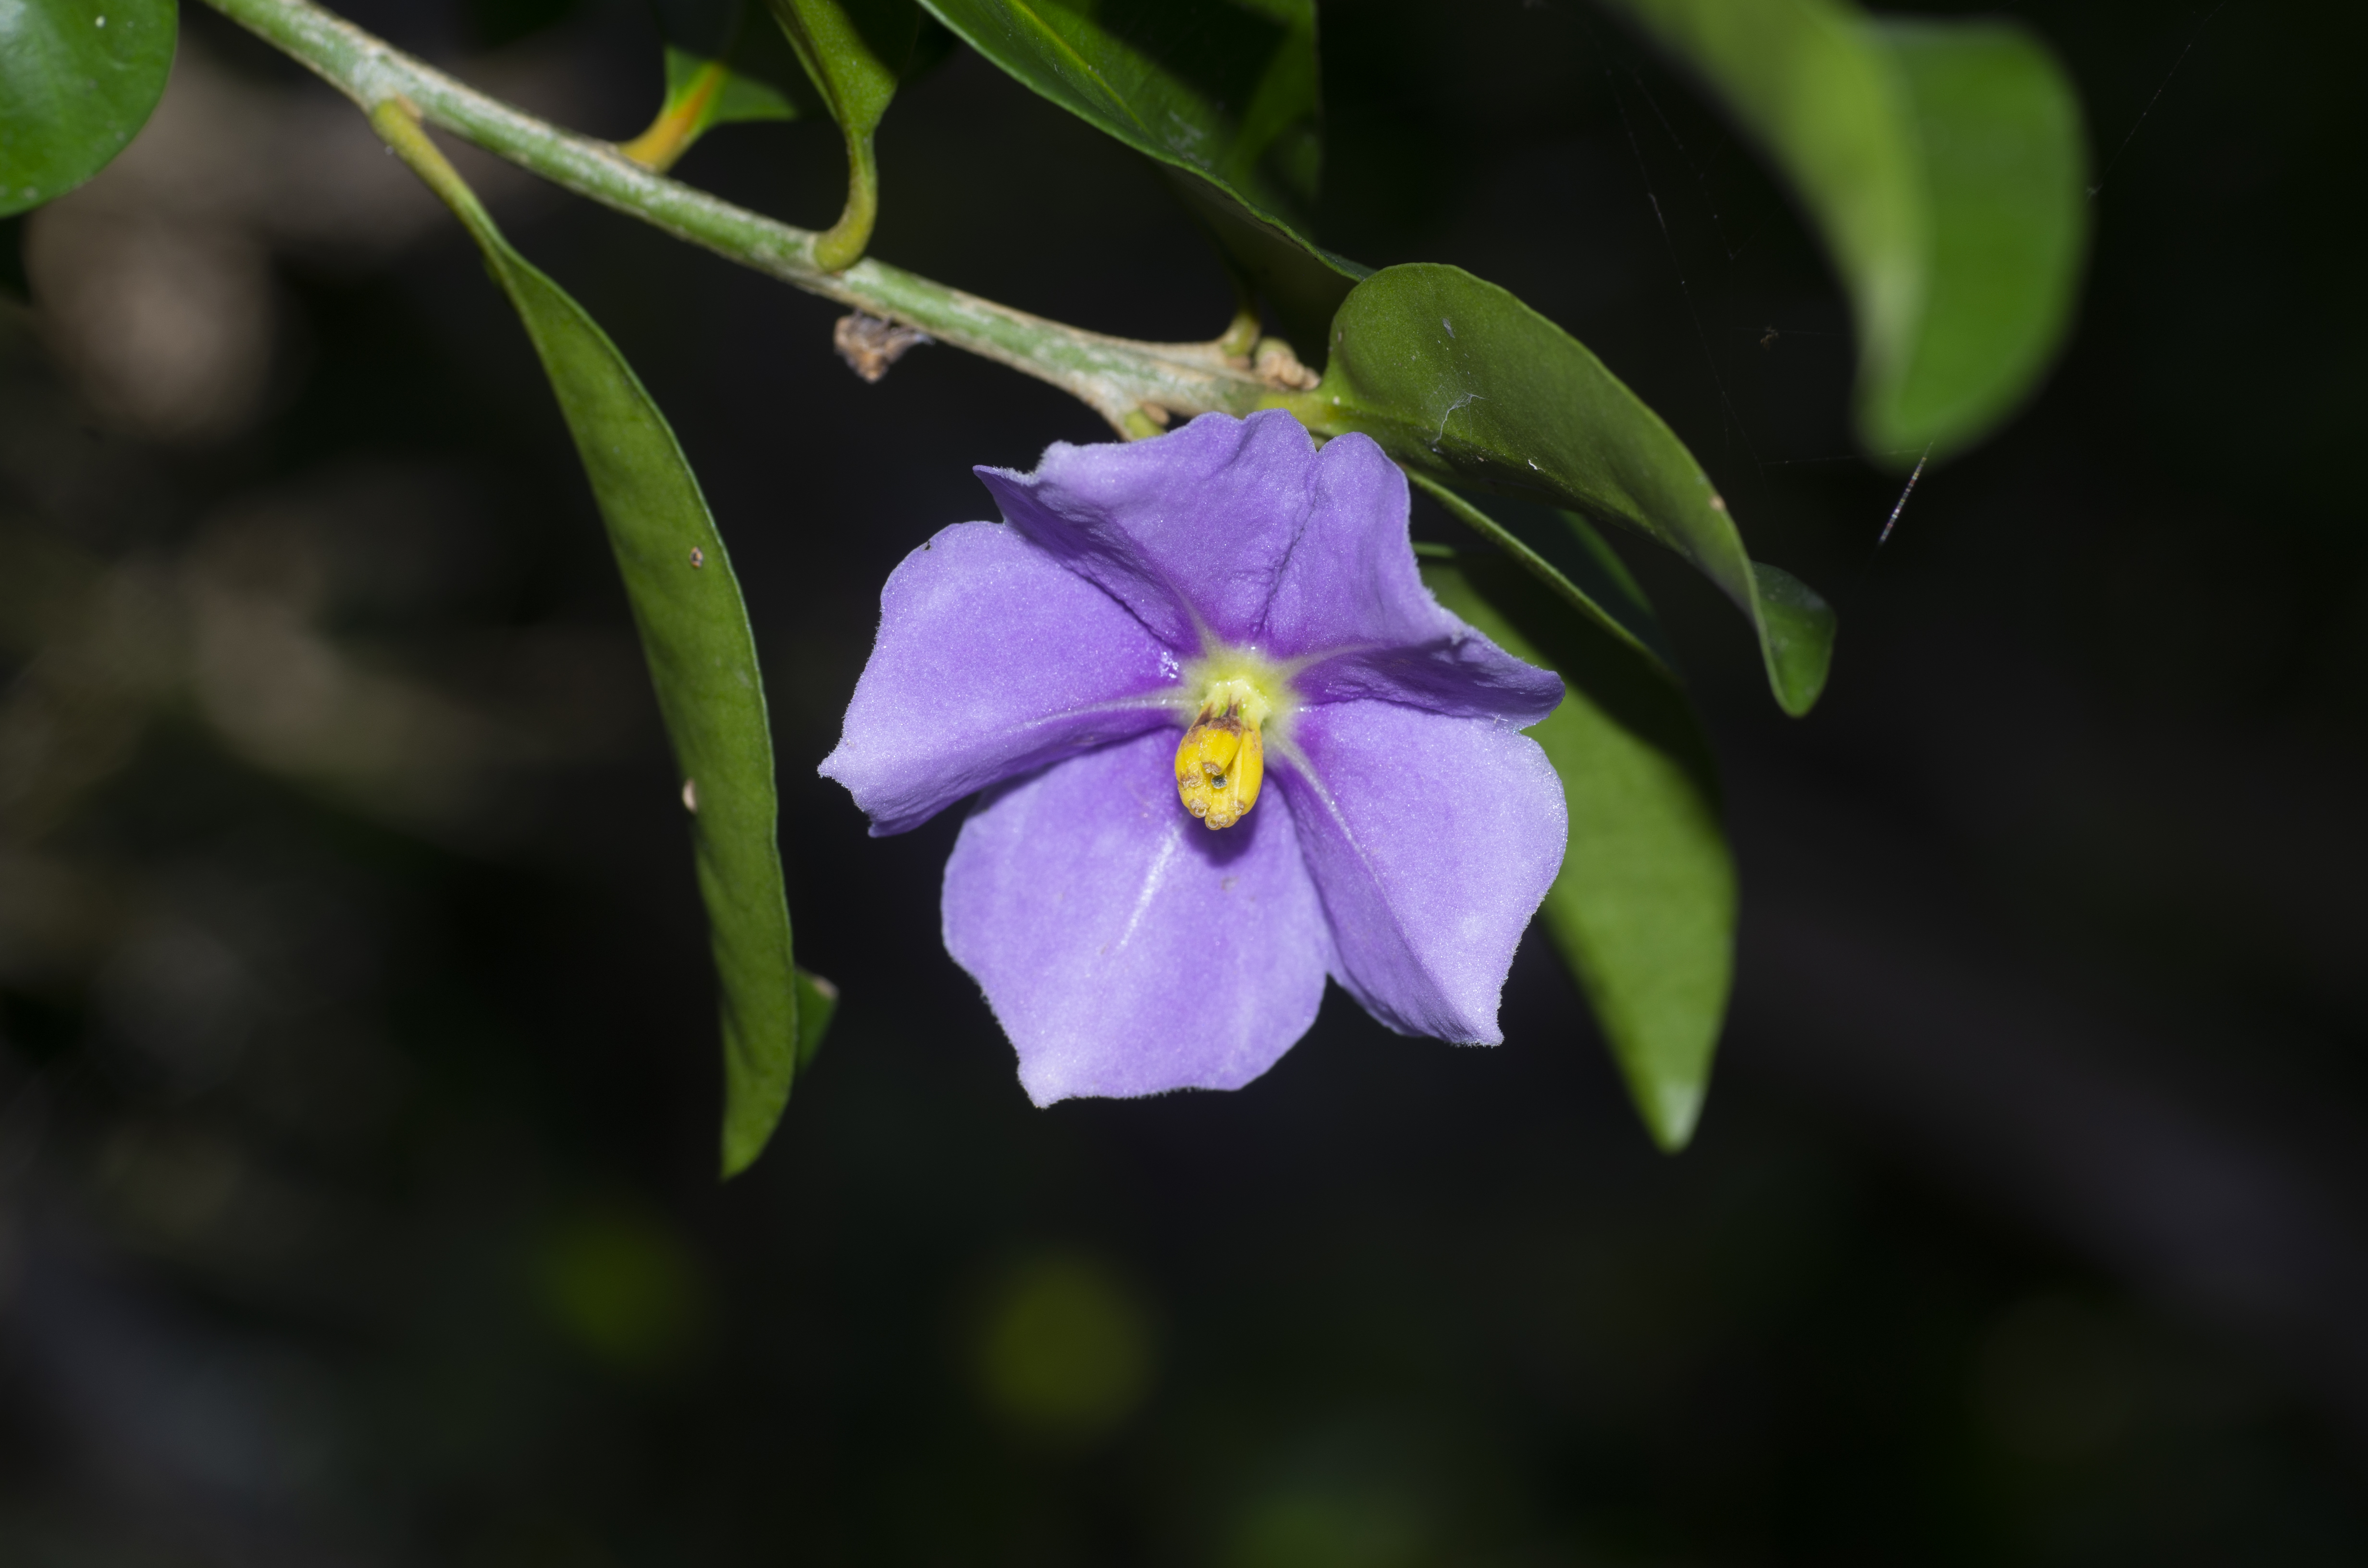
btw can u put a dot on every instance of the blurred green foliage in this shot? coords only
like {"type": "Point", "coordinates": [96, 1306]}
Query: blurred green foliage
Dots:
{"type": "Point", "coordinates": [1944, 164]}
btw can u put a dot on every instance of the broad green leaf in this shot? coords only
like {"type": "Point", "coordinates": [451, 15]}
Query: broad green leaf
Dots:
{"type": "Point", "coordinates": [1223, 91]}
{"type": "Point", "coordinates": [855, 53]}
{"type": "Point", "coordinates": [78, 78]}
{"type": "Point", "coordinates": [702, 659]}
{"type": "Point", "coordinates": [1644, 909]}
{"type": "Point", "coordinates": [1944, 164]}
{"type": "Point", "coordinates": [1460, 380]}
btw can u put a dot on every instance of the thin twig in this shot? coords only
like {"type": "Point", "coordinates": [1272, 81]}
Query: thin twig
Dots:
{"type": "Point", "coordinates": [1114, 376]}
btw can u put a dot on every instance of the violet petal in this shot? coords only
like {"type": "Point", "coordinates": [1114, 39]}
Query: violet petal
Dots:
{"type": "Point", "coordinates": [1238, 528]}
{"type": "Point", "coordinates": [1349, 580]}
{"type": "Point", "coordinates": [1432, 839]}
{"type": "Point", "coordinates": [1124, 948]}
{"type": "Point", "coordinates": [1186, 530]}
{"type": "Point", "coordinates": [1459, 673]}
{"type": "Point", "coordinates": [992, 659]}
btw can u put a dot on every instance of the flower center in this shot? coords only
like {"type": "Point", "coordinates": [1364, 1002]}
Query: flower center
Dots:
{"type": "Point", "coordinates": [1222, 760]}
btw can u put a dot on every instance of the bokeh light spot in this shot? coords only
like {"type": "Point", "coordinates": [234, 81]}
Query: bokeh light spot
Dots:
{"type": "Point", "coordinates": [1065, 1350]}
{"type": "Point", "coordinates": [626, 1290]}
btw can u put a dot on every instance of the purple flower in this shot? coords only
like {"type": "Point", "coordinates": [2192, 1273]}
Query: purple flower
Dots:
{"type": "Point", "coordinates": [1159, 638]}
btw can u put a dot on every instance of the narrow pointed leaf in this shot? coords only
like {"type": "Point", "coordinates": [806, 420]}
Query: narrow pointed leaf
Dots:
{"type": "Point", "coordinates": [1460, 380]}
{"type": "Point", "coordinates": [1225, 92]}
{"type": "Point", "coordinates": [78, 78]}
{"type": "Point", "coordinates": [1644, 909]}
{"type": "Point", "coordinates": [1943, 162]}
{"type": "Point", "coordinates": [702, 658]}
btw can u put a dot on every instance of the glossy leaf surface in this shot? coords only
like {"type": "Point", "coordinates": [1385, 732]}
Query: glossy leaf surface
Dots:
{"type": "Point", "coordinates": [702, 659]}
{"type": "Point", "coordinates": [1223, 91]}
{"type": "Point", "coordinates": [78, 78]}
{"type": "Point", "coordinates": [1458, 379]}
{"type": "Point", "coordinates": [1944, 164]}
{"type": "Point", "coordinates": [1644, 909]}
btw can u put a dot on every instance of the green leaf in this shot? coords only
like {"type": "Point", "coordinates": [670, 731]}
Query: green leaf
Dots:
{"type": "Point", "coordinates": [853, 50]}
{"type": "Point", "coordinates": [1946, 166]}
{"type": "Point", "coordinates": [761, 79]}
{"type": "Point", "coordinates": [1225, 92]}
{"type": "Point", "coordinates": [855, 53]}
{"type": "Point", "coordinates": [817, 1001]}
{"type": "Point", "coordinates": [78, 78]}
{"type": "Point", "coordinates": [1460, 381]}
{"type": "Point", "coordinates": [719, 71]}
{"type": "Point", "coordinates": [702, 658]}
{"type": "Point", "coordinates": [1644, 909]}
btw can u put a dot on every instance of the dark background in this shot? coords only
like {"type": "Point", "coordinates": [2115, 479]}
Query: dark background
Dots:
{"type": "Point", "coordinates": [357, 1091]}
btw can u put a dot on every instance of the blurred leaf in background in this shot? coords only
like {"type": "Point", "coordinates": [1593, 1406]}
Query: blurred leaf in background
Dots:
{"type": "Point", "coordinates": [1944, 163]}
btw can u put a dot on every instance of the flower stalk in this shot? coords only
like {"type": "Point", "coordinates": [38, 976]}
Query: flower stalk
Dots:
{"type": "Point", "coordinates": [1132, 384]}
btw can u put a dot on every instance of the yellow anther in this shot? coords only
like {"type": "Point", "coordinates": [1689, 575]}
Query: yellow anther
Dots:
{"type": "Point", "coordinates": [1222, 759]}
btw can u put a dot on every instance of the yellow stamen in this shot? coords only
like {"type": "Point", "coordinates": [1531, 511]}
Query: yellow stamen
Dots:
{"type": "Point", "coordinates": [1222, 760]}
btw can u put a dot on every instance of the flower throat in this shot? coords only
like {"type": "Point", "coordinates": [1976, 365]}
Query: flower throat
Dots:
{"type": "Point", "coordinates": [1222, 760]}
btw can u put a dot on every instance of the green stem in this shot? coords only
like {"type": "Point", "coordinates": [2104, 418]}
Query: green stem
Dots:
{"type": "Point", "coordinates": [1116, 376]}
{"type": "Point", "coordinates": [397, 123]}
{"type": "Point", "coordinates": [839, 246]}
